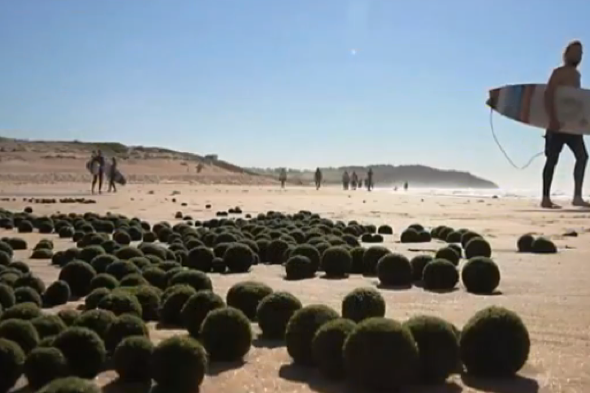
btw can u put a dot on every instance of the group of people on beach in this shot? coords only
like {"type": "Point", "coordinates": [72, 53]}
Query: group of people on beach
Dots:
{"type": "Point", "coordinates": [97, 165]}
{"type": "Point", "coordinates": [348, 181]}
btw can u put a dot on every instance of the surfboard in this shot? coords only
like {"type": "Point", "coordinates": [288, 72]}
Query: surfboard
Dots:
{"type": "Point", "coordinates": [526, 104]}
{"type": "Point", "coordinates": [92, 168]}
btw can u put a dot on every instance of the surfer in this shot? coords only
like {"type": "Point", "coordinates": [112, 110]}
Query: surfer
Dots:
{"type": "Point", "coordinates": [112, 175]}
{"type": "Point", "coordinates": [565, 75]}
{"type": "Point", "coordinates": [283, 177]}
{"type": "Point", "coordinates": [98, 160]}
{"type": "Point", "coordinates": [369, 179]}
{"type": "Point", "coordinates": [318, 178]}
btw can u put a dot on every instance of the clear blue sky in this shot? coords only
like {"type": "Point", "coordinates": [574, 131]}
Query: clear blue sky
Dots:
{"type": "Point", "coordinates": [276, 83]}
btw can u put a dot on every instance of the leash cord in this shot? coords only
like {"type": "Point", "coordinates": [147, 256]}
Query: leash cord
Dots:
{"type": "Point", "coordinates": [533, 158]}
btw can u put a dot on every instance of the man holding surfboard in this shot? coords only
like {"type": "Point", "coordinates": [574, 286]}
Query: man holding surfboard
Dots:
{"type": "Point", "coordinates": [566, 75]}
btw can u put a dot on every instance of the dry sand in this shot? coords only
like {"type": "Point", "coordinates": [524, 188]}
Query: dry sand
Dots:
{"type": "Point", "coordinates": [550, 292]}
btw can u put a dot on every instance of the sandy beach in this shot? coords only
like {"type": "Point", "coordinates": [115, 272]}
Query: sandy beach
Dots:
{"type": "Point", "coordinates": [550, 292]}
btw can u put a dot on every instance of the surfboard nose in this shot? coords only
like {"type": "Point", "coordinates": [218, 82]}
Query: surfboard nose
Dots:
{"type": "Point", "coordinates": [492, 101]}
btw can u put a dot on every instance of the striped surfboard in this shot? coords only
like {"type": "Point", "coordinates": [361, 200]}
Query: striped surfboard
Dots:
{"type": "Point", "coordinates": [526, 104]}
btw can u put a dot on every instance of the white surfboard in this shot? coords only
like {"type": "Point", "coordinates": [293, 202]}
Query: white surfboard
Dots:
{"type": "Point", "coordinates": [526, 104]}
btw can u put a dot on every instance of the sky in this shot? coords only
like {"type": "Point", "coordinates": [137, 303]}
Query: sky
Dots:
{"type": "Point", "coordinates": [294, 83]}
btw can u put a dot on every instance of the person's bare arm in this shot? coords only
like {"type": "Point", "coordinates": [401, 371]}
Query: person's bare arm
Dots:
{"type": "Point", "coordinates": [552, 85]}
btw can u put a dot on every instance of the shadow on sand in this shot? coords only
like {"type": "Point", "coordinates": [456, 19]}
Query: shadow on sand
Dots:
{"type": "Point", "coordinates": [118, 386]}
{"type": "Point", "coordinates": [517, 384]}
{"type": "Point", "coordinates": [262, 342]}
{"type": "Point", "coordinates": [312, 378]}
{"type": "Point", "coordinates": [216, 368]}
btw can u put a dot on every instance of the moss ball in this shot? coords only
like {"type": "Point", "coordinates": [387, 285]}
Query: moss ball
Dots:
{"type": "Point", "coordinates": [302, 328]}
{"type": "Point", "coordinates": [78, 274]}
{"type": "Point", "coordinates": [20, 266]}
{"type": "Point", "coordinates": [478, 247]}
{"type": "Point", "coordinates": [371, 257]}
{"type": "Point", "coordinates": [327, 347]}
{"type": "Point", "coordinates": [121, 303]}
{"type": "Point", "coordinates": [438, 346]}
{"type": "Point", "coordinates": [68, 315]}
{"type": "Point", "coordinates": [122, 238]}
{"type": "Point", "coordinates": [7, 298]}
{"type": "Point", "coordinates": [173, 300]}
{"type": "Point", "coordinates": [196, 309]}
{"type": "Point", "coordinates": [410, 235]}
{"type": "Point", "coordinates": [357, 254]}
{"type": "Point", "coordinates": [480, 275]}
{"type": "Point", "coordinates": [275, 250]}
{"type": "Point", "coordinates": [102, 261]}
{"type": "Point", "coordinates": [66, 232]}
{"type": "Point", "coordinates": [88, 253]}
{"type": "Point", "coordinates": [448, 254]}
{"type": "Point", "coordinates": [418, 263]}
{"type": "Point", "coordinates": [7, 248]}
{"type": "Point", "coordinates": [494, 343]}
{"type": "Point", "coordinates": [103, 280]}
{"type": "Point", "coordinates": [226, 334]}
{"type": "Point", "coordinates": [21, 332]}
{"type": "Point", "coordinates": [246, 296]}
{"type": "Point", "coordinates": [179, 364]}
{"type": "Point", "coordinates": [336, 262]}
{"type": "Point", "coordinates": [200, 258]}
{"type": "Point", "coordinates": [126, 252]}
{"type": "Point", "coordinates": [310, 252]}
{"type": "Point", "coordinates": [44, 365]}
{"type": "Point", "coordinates": [440, 275]}
{"type": "Point", "coordinates": [27, 295]}
{"type": "Point", "coordinates": [525, 243]}
{"type": "Point", "coordinates": [198, 280]}
{"type": "Point", "coordinates": [84, 351]}
{"type": "Point", "coordinates": [155, 277]}
{"type": "Point", "coordinates": [394, 270]}
{"type": "Point", "coordinates": [42, 253]}
{"type": "Point", "coordinates": [132, 358]}
{"type": "Point", "coordinates": [385, 230]}
{"type": "Point", "coordinates": [274, 312]}
{"type": "Point", "coordinates": [31, 281]}
{"type": "Point", "coordinates": [12, 359]}
{"type": "Point", "coordinates": [381, 354]}
{"type": "Point", "coordinates": [543, 245]}
{"type": "Point", "coordinates": [70, 385]}
{"type": "Point", "coordinates": [238, 258]}
{"type": "Point", "coordinates": [91, 301]}
{"type": "Point", "coordinates": [124, 326]}
{"type": "Point", "coordinates": [48, 325]}
{"type": "Point", "coordinates": [298, 267]}
{"type": "Point", "coordinates": [57, 293]}
{"type": "Point", "coordinates": [24, 311]}
{"type": "Point", "coordinates": [99, 321]}
{"type": "Point", "coordinates": [150, 300]}
{"type": "Point", "coordinates": [5, 258]}
{"type": "Point", "coordinates": [363, 303]}
{"type": "Point", "coordinates": [120, 269]}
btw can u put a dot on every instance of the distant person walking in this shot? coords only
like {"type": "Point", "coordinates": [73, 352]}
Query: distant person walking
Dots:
{"type": "Point", "coordinates": [354, 179]}
{"type": "Point", "coordinates": [112, 174]}
{"type": "Point", "coordinates": [97, 163]}
{"type": "Point", "coordinates": [318, 178]}
{"type": "Point", "coordinates": [345, 180]}
{"type": "Point", "coordinates": [283, 177]}
{"type": "Point", "coordinates": [369, 180]}
{"type": "Point", "coordinates": [406, 186]}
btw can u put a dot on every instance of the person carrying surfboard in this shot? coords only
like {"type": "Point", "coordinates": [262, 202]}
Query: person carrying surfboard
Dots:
{"type": "Point", "coordinates": [98, 160]}
{"type": "Point", "coordinates": [565, 75]}
{"type": "Point", "coordinates": [113, 175]}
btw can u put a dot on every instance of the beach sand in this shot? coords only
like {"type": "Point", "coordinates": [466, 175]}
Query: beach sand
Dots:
{"type": "Point", "coordinates": [550, 292]}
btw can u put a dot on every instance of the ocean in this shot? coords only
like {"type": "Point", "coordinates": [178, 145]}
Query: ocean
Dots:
{"type": "Point", "coordinates": [478, 192]}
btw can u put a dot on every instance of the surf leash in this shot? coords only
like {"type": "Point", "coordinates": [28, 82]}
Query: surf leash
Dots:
{"type": "Point", "coordinates": [533, 158]}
